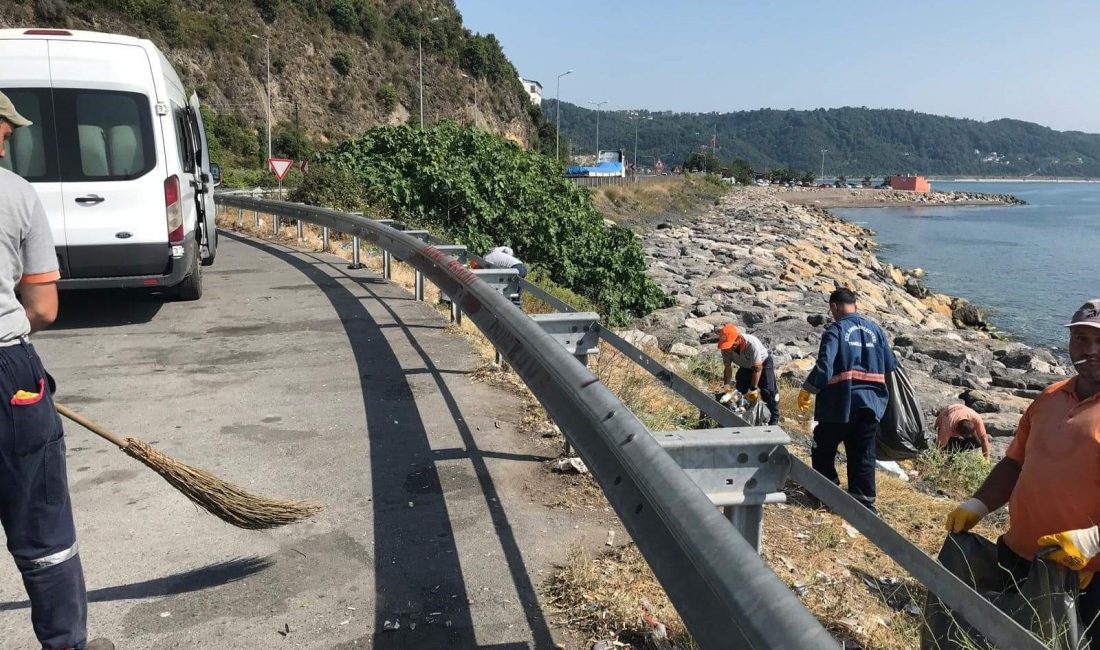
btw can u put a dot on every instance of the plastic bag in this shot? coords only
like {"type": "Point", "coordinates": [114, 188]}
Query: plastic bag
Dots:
{"type": "Point", "coordinates": [1046, 602]}
{"type": "Point", "coordinates": [757, 414]}
{"type": "Point", "coordinates": [901, 432]}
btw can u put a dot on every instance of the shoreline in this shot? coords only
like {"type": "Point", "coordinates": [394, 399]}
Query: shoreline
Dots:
{"type": "Point", "coordinates": [824, 197]}
{"type": "Point", "coordinates": [768, 265]}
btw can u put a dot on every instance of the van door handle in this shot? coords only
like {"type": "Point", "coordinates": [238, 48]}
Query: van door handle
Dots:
{"type": "Point", "coordinates": [91, 199]}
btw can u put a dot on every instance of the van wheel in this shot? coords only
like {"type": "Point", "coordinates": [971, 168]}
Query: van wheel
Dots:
{"type": "Point", "coordinates": [191, 287]}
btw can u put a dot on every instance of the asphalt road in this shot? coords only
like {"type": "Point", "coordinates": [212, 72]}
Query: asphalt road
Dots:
{"type": "Point", "coordinates": [298, 378]}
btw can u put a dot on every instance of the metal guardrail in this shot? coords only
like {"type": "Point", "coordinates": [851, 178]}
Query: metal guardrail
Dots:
{"type": "Point", "coordinates": [724, 592]}
{"type": "Point", "coordinates": [604, 181]}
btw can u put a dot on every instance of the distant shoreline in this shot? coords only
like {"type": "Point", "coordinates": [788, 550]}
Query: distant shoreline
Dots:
{"type": "Point", "coordinates": [945, 179]}
{"type": "Point", "coordinates": [872, 198]}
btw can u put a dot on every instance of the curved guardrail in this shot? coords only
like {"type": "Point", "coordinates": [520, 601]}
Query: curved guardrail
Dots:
{"type": "Point", "coordinates": [726, 594]}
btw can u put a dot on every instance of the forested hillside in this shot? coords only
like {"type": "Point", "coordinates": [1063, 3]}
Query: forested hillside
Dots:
{"type": "Point", "coordinates": [338, 67]}
{"type": "Point", "coordinates": [859, 141]}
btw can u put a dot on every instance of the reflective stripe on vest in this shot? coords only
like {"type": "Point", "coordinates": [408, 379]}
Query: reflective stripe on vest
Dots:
{"type": "Point", "coordinates": [876, 377]}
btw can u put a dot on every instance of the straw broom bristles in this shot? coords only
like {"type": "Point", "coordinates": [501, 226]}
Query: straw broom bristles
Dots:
{"type": "Point", "coordinates": [220, 498]}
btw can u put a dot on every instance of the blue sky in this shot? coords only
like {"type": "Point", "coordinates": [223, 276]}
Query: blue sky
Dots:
{"type": "Point", "coordinates": [1035, 61]}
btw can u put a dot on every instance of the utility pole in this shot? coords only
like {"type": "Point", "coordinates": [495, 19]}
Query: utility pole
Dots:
{"type": "Point", "coordinates": [636, 143]}
{"type": "Point", "coordinates": [557, 116]}
{"type": "Point", "coordinates": [823, 165]}
{"type": "Point", "coordinates": [267, 86]}
{"type": "Point", "coordinates": [420, 63]}
{"type": "Point", "coordinates": [598, 105]}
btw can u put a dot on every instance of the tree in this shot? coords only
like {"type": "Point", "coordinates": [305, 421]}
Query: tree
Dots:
{"type": "Point", "coordinates": [700, 162]}
{"type": "Point", "coordinates": [742, 172]}
{"type": "Point", "coordinates": [867, 181]}
{"type": "Point", "coordinates": [809, 177]}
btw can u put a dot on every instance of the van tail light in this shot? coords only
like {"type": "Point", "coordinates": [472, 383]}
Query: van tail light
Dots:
{"type": "Point", "coordinates": [173, 209]}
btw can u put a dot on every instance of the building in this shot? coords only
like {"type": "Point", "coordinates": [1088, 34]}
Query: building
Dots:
{"type": "Point", "coordinates": [533, 90]}
{"type": "Point", "coordinates": [910, 183]}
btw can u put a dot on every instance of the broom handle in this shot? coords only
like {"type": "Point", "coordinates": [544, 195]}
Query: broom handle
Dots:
{"type": "Point", "coordinates": [95, 428]}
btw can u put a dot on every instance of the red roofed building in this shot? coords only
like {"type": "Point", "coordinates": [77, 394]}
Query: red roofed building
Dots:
{"type": "Point", "coordinates": [910, 183]}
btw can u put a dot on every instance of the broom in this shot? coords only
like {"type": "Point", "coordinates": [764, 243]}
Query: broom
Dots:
{"type": "Point", "coordinates": [220, 498]}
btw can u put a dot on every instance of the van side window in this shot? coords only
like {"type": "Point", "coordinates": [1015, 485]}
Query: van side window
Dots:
{"type": "Point", "coordinates": [184, 140]}
{"type": "Point", "coordinates": [103, 135]}
{"type": "Point", "coordinates": [31, 152]}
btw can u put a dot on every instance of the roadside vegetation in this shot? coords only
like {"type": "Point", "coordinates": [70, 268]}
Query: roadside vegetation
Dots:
{"type": "Point", "coordinates": [481, 190]}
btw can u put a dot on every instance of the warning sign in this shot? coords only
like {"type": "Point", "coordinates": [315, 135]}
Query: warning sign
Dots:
{"type": "Point", "coordinates": [279, 167]}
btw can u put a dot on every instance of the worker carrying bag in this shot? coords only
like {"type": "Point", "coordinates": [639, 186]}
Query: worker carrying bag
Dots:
{"type": "Point", "coordinates": [901, 432]}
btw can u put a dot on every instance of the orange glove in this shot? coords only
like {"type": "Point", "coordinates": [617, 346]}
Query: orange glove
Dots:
{"type": "Point", "coordinates": [1073, 548]}
{"type": "Point", "coordinates": [804, 399]}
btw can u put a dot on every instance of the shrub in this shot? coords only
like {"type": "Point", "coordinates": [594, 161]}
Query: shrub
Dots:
{"type": "Point", "coordinates": [484, 191]}
{"type": "Point", "coordinates": [341, 61]}
{"type": "Point", "coordinates": [269, 9]}
{"type": "Point", "coordinates": [330, 187]}
{"type": "Point", "coordinates": [387, 97]}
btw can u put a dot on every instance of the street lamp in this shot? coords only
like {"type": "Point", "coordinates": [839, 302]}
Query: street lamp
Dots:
{"type": "Point", "coordinates": [557, 116]}
{"type": "Point", "coordinates": [420, 63]}
{"type": "Point", "coordinates": [598, 105]}
{"type": "Point", "coordinates": [823, 165]}
{"type": "Point", "coordinates": [474, 82]}
{"type": "Point", "coordinates": [267, 49]}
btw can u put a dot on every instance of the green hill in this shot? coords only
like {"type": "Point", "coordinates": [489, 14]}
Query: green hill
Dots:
{"type": "Point", "coordinates": [338, 67]}
{"type": "Point", "coordinates": [859, 141]}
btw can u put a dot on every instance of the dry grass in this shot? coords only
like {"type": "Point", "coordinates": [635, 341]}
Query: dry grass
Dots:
{"type": "Point", "coordinates": [611, 597]}
{"type": "Point", "coordinates": [643, 202]}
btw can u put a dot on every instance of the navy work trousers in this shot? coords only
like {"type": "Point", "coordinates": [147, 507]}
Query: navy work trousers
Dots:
{"type": "Point", "coordinates": [34, 501]}
{"type": "Point", "coordinates": [769, 390]}
{"type": "Point", "coordinates": [858, 435]}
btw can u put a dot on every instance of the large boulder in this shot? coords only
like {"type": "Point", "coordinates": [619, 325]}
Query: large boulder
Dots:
{"type": "Point", "coordinates": [1007, 378]}
{"type": "Point", "coordinates": [1028, 359]}
{"type": "Point", "coordinates": [967, 314]}
{"type": "Point", "coordinates": [683, 350]}
{"type": "Point", "coordinates": [949, 348]}
{"type": "Point", "coordinates": [1001, 424]}
{"type": "Point", "coordinates": [984, 401]}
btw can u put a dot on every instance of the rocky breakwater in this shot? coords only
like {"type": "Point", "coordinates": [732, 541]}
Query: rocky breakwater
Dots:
{"type": "Point", "coordinates": [828, 197]}
{"type": "Point", "coordinates": [768, 266]}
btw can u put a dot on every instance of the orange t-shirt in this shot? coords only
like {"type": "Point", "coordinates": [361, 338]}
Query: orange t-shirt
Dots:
{"type": "Point", "coordinates": [950, 417]}
{"type": "Point", "coordinates": [1058, 447]}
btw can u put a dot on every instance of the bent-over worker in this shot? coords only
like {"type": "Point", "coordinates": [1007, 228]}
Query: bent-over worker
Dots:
{"type": "Point", "coordinates": [755, 378]}
{"type": "Point", "coordinates": [960, 428]}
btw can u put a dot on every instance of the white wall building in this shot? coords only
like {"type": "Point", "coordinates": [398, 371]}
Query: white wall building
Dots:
{"type": "Point", "coordinates": [533, 89]}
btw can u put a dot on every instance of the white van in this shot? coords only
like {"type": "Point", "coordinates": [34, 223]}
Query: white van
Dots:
{"type": "Point", "coordinates": [118, 155]}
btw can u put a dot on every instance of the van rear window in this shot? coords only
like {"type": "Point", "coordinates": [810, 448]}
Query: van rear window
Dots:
{"type": "Point", "coordinates": [31, 151]}
{"type": "Point", "coordinates": [82, 135]}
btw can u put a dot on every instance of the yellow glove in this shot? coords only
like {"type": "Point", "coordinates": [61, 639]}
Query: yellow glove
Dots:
{"type": "Point", "coordinates": [804, 399]}
{"type": "Point", "coordinates": [753, 395]}
{"type": "Point", "coordinates": [966, 515]}
{"type": "Point", "coordinates": [1084, 578]}
{"type": "Point", "coordinates": [1073, 548]}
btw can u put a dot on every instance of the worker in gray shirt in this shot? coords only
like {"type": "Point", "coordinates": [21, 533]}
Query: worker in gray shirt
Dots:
{"type": "Point", "coordinates": [755, 377]}
{"type": "Point", "coordinates": [34, 493]}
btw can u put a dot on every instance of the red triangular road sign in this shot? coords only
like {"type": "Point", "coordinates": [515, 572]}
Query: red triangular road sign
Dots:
{"type": "Point", "coordinates": [279, 167]}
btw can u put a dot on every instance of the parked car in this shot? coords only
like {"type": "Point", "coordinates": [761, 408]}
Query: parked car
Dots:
{"type": "Point", "coordinates": [118, 155]}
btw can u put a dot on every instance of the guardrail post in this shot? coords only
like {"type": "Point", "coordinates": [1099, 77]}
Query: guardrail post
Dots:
{"type": "Point", "coordinates": [387, 265]}
{"type": "Point", "coordinates": [355, 263]}
{"type": "Point", "coordinates": [748, 520]}
{"type": "Point", "coordinates": [418, 286]}
{"type": "Point", "coordinates": [275, 224]}
{"type": "Point", "coordinates": [256, 213]}
{"type": "Point", "coordinates": [456, 313]}
{"type": "Point", "coordinates": [324, 238]}
{"type": "Point", "coordinates": [301, 231]}
{"type": "Point", "coordinates": [240, 216]}
{"type": "Point", "coordinates": [740, 469]}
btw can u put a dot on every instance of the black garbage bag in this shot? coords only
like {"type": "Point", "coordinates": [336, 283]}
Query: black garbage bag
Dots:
{"type": "Point", "coordinates": [1045, 603]}
{"type": "Point", "coordinates": [901, 432]}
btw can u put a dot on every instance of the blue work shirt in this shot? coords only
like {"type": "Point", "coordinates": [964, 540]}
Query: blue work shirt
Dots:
{"type": "Point", "coordinates": [850, 374]}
